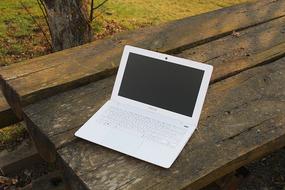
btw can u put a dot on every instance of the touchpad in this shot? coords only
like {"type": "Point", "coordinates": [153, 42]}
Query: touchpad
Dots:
{"type": "Point", "coordinates": [122, 141]}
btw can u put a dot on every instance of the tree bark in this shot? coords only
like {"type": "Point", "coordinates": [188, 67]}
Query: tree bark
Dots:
{"type": "Point", "coordinates": [68, 23]}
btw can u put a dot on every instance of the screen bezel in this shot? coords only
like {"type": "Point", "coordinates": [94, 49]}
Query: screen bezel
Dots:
{"type": "Point", "coordinates": [176, 60]}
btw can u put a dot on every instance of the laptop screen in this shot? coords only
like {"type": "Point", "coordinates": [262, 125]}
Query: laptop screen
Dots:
{"type": "Point", "coordinates": [161, 84]}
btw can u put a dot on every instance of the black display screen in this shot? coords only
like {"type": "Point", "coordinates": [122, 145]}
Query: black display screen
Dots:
{"type": "Point", "coordinates": [161, 83]}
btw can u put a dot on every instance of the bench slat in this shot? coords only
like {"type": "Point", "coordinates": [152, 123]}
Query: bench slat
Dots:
{"type": "Point", "coordinates": [239, 45]}
{"type": "Point", "coordinates": [71, 68]}
{"type": "Point", "coordinates": [243, 119]}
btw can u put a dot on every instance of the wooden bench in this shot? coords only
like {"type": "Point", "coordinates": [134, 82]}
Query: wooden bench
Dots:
{"type": "Point", "coordinates": [35, 79]}
{"type": "Point", "coordinates": [242, 119]}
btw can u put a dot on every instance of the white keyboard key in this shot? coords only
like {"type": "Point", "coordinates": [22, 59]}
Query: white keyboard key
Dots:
{"type": "Point", "coordinates": [142, 126]}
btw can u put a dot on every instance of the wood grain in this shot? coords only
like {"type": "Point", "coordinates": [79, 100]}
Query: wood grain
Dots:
{"type": "Point", "coordinates": [263, 42]}
{"type": "Point", "coordinates": [71, 68]}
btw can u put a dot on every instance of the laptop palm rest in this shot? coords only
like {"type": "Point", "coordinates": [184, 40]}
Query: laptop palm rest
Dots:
{"type": "Point", "coordinates": [122, 141]}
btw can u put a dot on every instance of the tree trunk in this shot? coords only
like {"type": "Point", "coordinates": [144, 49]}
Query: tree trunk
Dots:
{"type": "Point", "coordinates": [68, 23]}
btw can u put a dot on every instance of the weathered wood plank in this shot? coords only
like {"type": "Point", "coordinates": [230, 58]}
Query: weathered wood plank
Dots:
{"type": "Point", "coordinates": [44, 131]}
{"type": "Point", "coordinates": [241, 64]}
{"type": "Point", "coordinates": [242, 45]}
{"type": "Point", "coordinates": [71, 68]}
{"type": "Point", "coordinates": [243, 119]}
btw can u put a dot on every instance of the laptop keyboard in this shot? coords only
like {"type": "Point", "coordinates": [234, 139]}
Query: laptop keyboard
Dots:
{"type": "Point", "coordinates": [143, 126]}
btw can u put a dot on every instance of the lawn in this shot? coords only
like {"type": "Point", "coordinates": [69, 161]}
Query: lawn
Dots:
{"type": "Point", "coordinates": [135, 13]}
{"type": "Point", "coordinates": [20, 37]}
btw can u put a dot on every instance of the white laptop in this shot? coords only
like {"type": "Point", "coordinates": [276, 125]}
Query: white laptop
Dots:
{"type": "Point", "coordinates": [154, 108]}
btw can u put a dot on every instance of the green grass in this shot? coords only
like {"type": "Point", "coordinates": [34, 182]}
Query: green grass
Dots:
{"type": "Point", "coordinates": [135, 13]}
{"type": "Point", "coordinates": [17, 30]}
{"type": "Point", "coordinates": [10, 136]}
{"type": "Point", "coordinates": [15, 19]}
